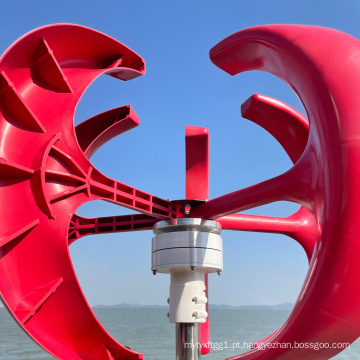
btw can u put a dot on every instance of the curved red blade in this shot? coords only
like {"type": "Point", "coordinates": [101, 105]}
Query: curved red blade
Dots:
{"type": "Point", "coordinates": [44, 177]}
{"type": "Point", "coordinates": [324, 179]}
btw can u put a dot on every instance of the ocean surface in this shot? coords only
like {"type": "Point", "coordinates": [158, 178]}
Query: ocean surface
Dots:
{"type": "Point", "coordinates": [149, 332]}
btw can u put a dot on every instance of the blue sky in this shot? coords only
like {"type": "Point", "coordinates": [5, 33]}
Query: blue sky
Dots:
{"type": "Point", "coordinates": [182, 87]}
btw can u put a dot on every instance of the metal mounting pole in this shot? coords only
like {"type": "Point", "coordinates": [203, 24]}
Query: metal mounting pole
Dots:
{"type": "Point", "coordinates": [188, 341]}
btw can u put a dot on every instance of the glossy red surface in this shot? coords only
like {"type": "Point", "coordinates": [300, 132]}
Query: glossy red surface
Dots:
{"type": "Point", "coordinates": [45, 175]}
{"type": "Point", "coordinates": [44, 167]}
{"type": "Point", "coordinates": [321, 66]}
{"type": "Point", "coordinates": [291, 129]}
{"type": "Point", "coordinates": [197, 188]}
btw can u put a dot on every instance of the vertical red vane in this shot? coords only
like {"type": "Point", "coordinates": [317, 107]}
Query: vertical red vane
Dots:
{"type": "Point", "coordinates": [197, 188]}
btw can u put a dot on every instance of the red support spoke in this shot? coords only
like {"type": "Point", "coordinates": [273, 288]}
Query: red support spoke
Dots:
{"type": "Point", "coordinates": [95, 132]}
{"type": "Point", "coordinates": [80, 226]}
{"type": "Point", "coordinates": [291, 130]}
{"type": "Point", "coordinates": [282, 187]}
{"type": "Point", "coordinates": [58, 169]}
{"type": "Point", "coordinates": [102, 187]}
{"type": "Point", "coordinates": [300, 226]}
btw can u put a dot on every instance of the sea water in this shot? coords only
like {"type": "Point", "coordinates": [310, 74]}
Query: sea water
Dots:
{"type": "Point", "coordinates": [148, 331]}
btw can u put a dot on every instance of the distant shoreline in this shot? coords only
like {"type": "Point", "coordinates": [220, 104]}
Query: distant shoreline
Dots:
{"type": "Point", "coordinates": [285, 306]}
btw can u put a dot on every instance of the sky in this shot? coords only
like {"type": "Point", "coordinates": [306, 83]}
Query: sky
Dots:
{"type": "Point", "coordinates": [182, 87]}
